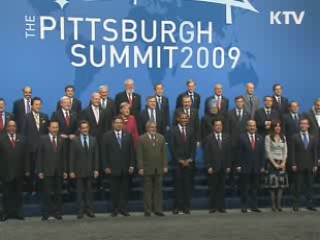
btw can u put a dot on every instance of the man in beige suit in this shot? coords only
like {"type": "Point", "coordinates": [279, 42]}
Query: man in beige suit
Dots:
{"type": "Point", "coordinates": [152, 164]}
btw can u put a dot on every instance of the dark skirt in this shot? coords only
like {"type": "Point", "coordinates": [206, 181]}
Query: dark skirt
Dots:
{"type": "Point", "coordinates": [276, 178]}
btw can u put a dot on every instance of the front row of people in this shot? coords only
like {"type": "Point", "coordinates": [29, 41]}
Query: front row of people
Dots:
{"type": "Point", "coordinates": [257, 157]}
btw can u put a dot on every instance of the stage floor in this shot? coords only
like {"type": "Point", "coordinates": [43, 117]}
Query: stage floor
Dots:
{"type": "Point", "coordinates": [198, 225]}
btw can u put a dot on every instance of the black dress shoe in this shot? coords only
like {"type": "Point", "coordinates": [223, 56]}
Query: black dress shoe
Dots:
{"type": "Point", "coordinates": [80, 216]}
{"type": "Point", "coordinates": [58, 217]}
{"type": "Point", "coordinates": [3, 218]}
{"type": "Point", "coordinates": [187, 212]}
{"type": "Point", "coordinates": [244, 210]}
{"type": "Point", "coordinates": [222, 210]}
{"type": "Point", "coordinates": [114, 214]}
{"type": "Point", "coordinates": [91, 215]}
{"type": "Point", "coordinates": [20, 218]}
{"type": "Point", "coordinates": [295, 209]}
{"type": "Point", "coordinates": [212, 211]}
{"type": "Point", "coordinates": [175, 212]}
{"type": "Point", "coordinates": [274, 209]}
{"type": "Point", "coordinates": [280, 210]}
{"type": "Point", "coordinates": [312, 209]}
{"type": "Point", "coordinates": [125, 214]}
{"type": "Point", "coordinates": [44, 218]}
{"type": "Point", "coordinates": [159, 214]}
{"type": "Point", "coordinates": [147, 214]}
{"type": "Point", "coordinates": [257, 210]}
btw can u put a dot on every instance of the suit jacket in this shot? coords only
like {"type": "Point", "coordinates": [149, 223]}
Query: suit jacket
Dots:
{"type": "Point", "coordinates": [314, 127]}
{"type": "Point", "coordinates": [136, 102]}
{"type": "Point", "coordinates": [182, 150]}
{"type": "Point", "coordinates": [304, 159]}
{"type": "Point", "coordinates": [290, 126]}
{"type": "Point", "coordinates": [96, 129]}
{"type": "Point", "coordinates": [14, 162]}
{"type": "Point", "coordinates": [251, 160]}
{"type": "Point", "coordinates": [261, 117]}
{"type": "Point", "coordinates": [8, 117]}
{"type": "Point", "coordinates": [83, 163]}
{"type": "Point", "coordinates": [19, 111]}
{"type": "Point", "coordinates": [144, 118]}
{"type": "Point", "coordinates": [31, 132]}
{"type": "Point", "coordinates": [76, 105]}
{"type": "Point", "coordinates": [165, 110]}
{"type": "Point", "coordinates": [236, 126]}
{"type": "Point", "coordinates": [255, 105]}
{"type": "Point", "coordinates": [224, 105]}
{"type": "Point", "coordinates": [196, 101]}
{"type": "Point", "coordinates": [117, 158]}
{"type": "Point", "coordinates": [193, 121]}
{"type": "Point", "coordinates": [50, 162]}
{"type": "Point", "coordinates": [110, 112]}
{"type": "Point", "coordinates": [152, 156]}
{"type": "Point", "coordinates": [218, 158]}
{"type": "Point", "coordinates": [63, 128]}
{"type": "Point", "coordinates": [283, 108]}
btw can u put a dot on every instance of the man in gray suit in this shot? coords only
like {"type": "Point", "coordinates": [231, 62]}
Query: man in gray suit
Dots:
{"type": "Point", "coordinates": [251, 102]}
{"type": "Point", "coordinates": [152, 164]}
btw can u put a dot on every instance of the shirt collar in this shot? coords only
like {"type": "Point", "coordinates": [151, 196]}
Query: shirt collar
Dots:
{"type": "Point", "coordinates": [118, 132]}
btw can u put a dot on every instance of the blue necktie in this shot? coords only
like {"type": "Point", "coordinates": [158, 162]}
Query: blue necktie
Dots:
{"type": "Point", "coordinates": [305, 140]}
{"type": "Point", "coordinates": [119, 139]}
{"type": "Point", "coordinates": [159, 103]}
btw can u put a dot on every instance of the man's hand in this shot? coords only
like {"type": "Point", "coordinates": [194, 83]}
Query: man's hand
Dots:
{"type": "Point", "coordinates": [96, 174]}
{"type": "Point", "coordinates": [72, 175]}
{"type": "Point", "coordinates": [64, 136]}
{"type": "Point", "coordinates": [238, 169]}
{"type": "Point", "coordinates": [28, 174]}
{"type": "Point", "coordinates": [294, 168]}
{"type": "Point", "coordinates": [262, 170]}
{"type": "Point", "coordinates": [131, 170]}
{"type": "Point", "coordinates": [165, 170]}
{"type": "Point", "coordinates": [72, 136]}
{"type": "Point", "coordinates": [107, 171]}
{"type": "Point", "coordinates": [315, 169]}
{"type": "Point", "coordinates": [228, 170]}
{"type": "Point", "coordinates": [141, 172]}
{"type": "Point", "coordinates": [210, 170]}
{"type": "Point", "coordinates": [41, 175]}
{"type": "Point", "coordinates": [198, 144]}
{"type": "Point", "coordinates": [65, 175]}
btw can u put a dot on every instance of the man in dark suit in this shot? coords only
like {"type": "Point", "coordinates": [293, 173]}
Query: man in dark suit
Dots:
{"type": "Point", "coordinates": [108, 105]}
{"type": "Point", "coordinates": [76, 104]}
{"type": "Point", "coordinates": [152, 164]}
{"type": "Point", "coordinates": [13, 167]}
{"type": "Point", "coordinates": [223, 102]}
{"type": "Point", "coordinates": [5, 117]}
{"type": "Point", "coordinates": [84, 167]}
{"type": "Point", "coordinates": [52, 169]}
{"type": "Point", "coordinates": [22, 107]}
{"type": "Point", "coordinates": [35, 124]}
{"type": "Point", "coordinates": [129, 96]}
{"type": "Point", "coordinates": [163, 104]}
{"type": "Point", "coordinates": [152, 113]}
{"type": "Point", "coordinates": [250, 165]}
{"type": "Point", "coordinates": [314, 120]}
{"type": "Point", "coordinates": [280, 103]}
{"type": "Point", "coordinates": [304, 162]}
{"type": "Point", "coordinates": [183, 148]}
{"type": "Point", "coordinates": [264, 116]}
{"type": "Point", "coordinates": [195, 97]}
{"type": "Point", "coordinates": [217, 155]}
{"type": "Point", "coordinates": [193, 116]}
{"type": "Point", "coordinates": [251, 102]}
{"type": "Point", "coordinates": [118, 163]}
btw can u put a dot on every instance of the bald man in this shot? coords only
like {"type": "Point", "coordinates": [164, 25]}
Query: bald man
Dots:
{"type": "Point", "coordinates": [251, 102]}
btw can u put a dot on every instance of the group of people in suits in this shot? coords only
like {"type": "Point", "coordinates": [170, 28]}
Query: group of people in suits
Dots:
{"type": "Point", "coordinates": [117, 138]}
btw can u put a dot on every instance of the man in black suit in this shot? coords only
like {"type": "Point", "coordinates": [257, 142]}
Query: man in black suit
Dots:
{"type": "Point", "coordinates": [108, 105]}
{"type": "Point", "coordinates": [250, 165]}
{"type": "Point", "coordinates": [280, 103]}
{"type": "Point", "coordinates": [76, 104]}
{"type": "Point", "coordinates": [129, 96]}
{"type": "Point", "coordinates": [152, 113]}
{"type": "Point", "coordinates": [183, 148]}
{"type": "Point", "coordinates": [84, 167]}
{"type": "Point", "coordinates": [304, 162]}
{"type": "Point", "coordinates": [35, 124]}
{"type": "Point", "coordinates": [5, 117]}
{"type": "Point", "coordinates": [223, 102]}
{"type": "Point", "coordinates": [195, 97]}
{"type": "Point", "coordinates": [13, 167]}
{"type": "Point", "coordinates": [193, 117]}
{"type": "Point", "coordinates": [52, 169]}
{"type": "Point", "coordinates": [163, 104]}
{"type": "Point", "coordinates": [22, 107]}
{"type": "Point", "coordinates": [118, 163]}
{"type": "Point", "coordinates": [314, 120]}
{"type": "Point", "coordinates": [217, 155]}
{"type": "Point", "coordinates": [264, 116]}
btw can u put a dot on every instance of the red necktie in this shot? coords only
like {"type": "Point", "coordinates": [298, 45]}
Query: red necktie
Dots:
{"type": "Point", "coordinates": [13, 142]}
{"type": "Point", "coordinates": [253, 142]}
{"type": "Point", "coordinates": [184, 136]}
{"type": "Point", "coordinates": [130, 99]}
{"type": "Point", "coordinates": [1, 122]}
{"type": "Point", "coordinates": [219, 104]}
{"type": "Point", "coordinates": [67, 119]}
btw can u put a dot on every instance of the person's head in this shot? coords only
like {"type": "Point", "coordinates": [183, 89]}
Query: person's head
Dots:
{"type": "Point", "coordinates": [95, 99]}
{"type": "Point", "coordinates": [2, 105]}
{"type": "Point", "coordinates": [125, 109]}
{"type": "Point", "coordinates": [186, 102]}
{"type": "Point", "coordinates": [277, 89]}
{"type": "Point", "coordinates": [213, 106]}
{"type": "Point", "coordinates": [69, 90]}
{"type": "Point", "coordinates": [183, 119]}
{"type": "Point", "coordinates": [84, 127]}
{"type": "Point", "coordinates": [252, 126]}
{"type": "Point", "coordinates": [117, 123]}
{"type": "Point", "coordinates": [36, 104]}
{"type": "Point", "coordinates": [218, 89]}
{"type": "Point", "coordinates": [151, 102]}
{"type": "Point", "coordinates": [65, 103]}
{"type": "Point", "coordinates": [317, 105]}
{"type": "Point", "coordinates": [294, 107]}
{"type": "Point", "coordinates": [27, 93]}
{"type": "Point", "coordinates": [129, 85]}
{"type": "Point", "coordinates": [11, 127]}
{"type": "Point", "coordinates": [53, 127]}
{"type": "Point", "coordinates": [217, 125]}
{"type": "Point", "coordinates": [191, 85]}
{"type": "Point", "coordinates": [239, 102]}
{"type": "Point", "coordinates": [159, 89]}
{"type": "Point", "coordinates": [275, 127]}
{"type": "Point", "coordinates": [250, 89]}
{"type": "Point", "coordinates": [304, 124]}
{"type": "Point", "coordinates": [104, 91]}
{"type": "Point", "coordinates": [268, 101]}
{"type": "Point", "coordinates": [151, 127]}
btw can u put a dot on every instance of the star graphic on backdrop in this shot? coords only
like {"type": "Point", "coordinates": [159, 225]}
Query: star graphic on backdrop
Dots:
{"type": "Point", "coordinates": [61, 3]}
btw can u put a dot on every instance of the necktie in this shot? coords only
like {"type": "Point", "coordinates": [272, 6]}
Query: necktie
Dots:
{"type": "Point", "coordinates": [251, 103]}
{"type": "Point", "coordinates": [153, 140]}
{"type": "Point", "coordinates": [152, 118]}
{"type": "Point", "coordinates": [305, 140]}
{"type": "Point", "coordinates": [219, 140]}
{"type": "Point", "coordinates": [96, 110]}
{"type": "Point", "coordinates": [184, 135]}
{"type": "Point", "coordinates": [119, 139]}
{"type": "Point", "coordinates": [54, 143]}
{"type": "Point", "coordinates": [28, 107]}
{"type": "Point", "coordinates": [37, 121]}
{"type": "Point", "coordinates": [187, 112]}
{"type": "Point", "coordinates": [85, 143]}
{"type": "Point", "coordinates": [239, 115]}
{"type": "Point", "coordinates": [159, 102]}
{"type": "Point", "coordinates": [13, 142]}
{"type": "Point", "coordinates": [279, 102]}
{"type": "Point", "coordinates": [192, 98]}
{"type": "Point", "coordinates": [219, 103]}
{"type": "Point", "coordinates": [130, 99]}
{"type": "Point", "coordinates": [296, 119]}
{"type": "Point", "coordinates": [1, 122]}
{"type": "Point", "coordinates": [104, 103]}
{"type": "Point", "coordinates": [67, 119]}
{"type": "Point", "coordinates": [253, 142]}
